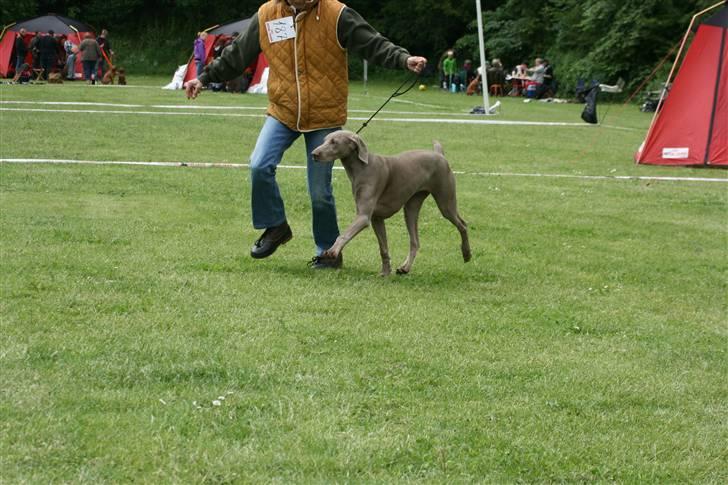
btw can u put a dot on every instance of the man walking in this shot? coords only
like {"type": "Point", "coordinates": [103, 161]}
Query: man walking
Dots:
{"type": "Point", "coordinates": [21, 50]}
{"type": "Point", "coordinates": [306, 43]}
{"type": "Point", "coordinates": [48, 53]}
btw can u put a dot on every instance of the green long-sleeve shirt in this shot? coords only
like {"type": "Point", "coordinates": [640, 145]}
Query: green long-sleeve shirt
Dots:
{"type": "Point", "coordinates": [354, 34]}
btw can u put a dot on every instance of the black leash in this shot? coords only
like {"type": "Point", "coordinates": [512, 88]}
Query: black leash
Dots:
{"type": "Point", "coordinates": [395, 94]}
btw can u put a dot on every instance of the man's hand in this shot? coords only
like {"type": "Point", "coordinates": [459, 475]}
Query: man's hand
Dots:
{"type": "Point", "coordinates": [416, 64]}
{"type": "Point", "coordinates": [193, 88]}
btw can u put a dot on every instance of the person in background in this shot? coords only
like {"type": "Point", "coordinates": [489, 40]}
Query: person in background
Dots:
{"type": "Point", "coordinates": [496, 73]}
{"type": "Point", "coordinates": [536, 80]}
{"type": "Point", "coordinates": [106, 52]}
{"type": "Point", "coordinates": [308, 92]}
{"type": "Point", "coordinates": [90, 53]}
{"type": "Point", "coordinates": [537, 71]}
{"type": "Point", "coordinates": [21, 50]}
{"type": "Point", "coordinates": [199, 52]}
{"type": "Point", "coordinates": [449, 69]}
{"type": "Point", "coordinates": [35, 53]}
{"type": "Point", "coordinates": [71, 49]}
{"type": "Point", "coordinates": [548, 87]}
{"type": "Point", "coordinates": [218, 46]}
{"type": "Point", "coordinates": [466, 74]}
{"type": "Point", "coordinates": [48, 53]}
{"type": "Point", "coordinates": [23, 74]}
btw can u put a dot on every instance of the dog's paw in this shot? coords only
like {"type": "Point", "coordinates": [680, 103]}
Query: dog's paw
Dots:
{"type": "Point", "coordinates": [402, 270]}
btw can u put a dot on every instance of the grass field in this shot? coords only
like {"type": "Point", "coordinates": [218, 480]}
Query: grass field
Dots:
{"type": "Point", "coordinates": [585, 342]}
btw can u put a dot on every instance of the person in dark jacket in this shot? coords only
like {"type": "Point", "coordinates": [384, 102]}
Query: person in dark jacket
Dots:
{"type": "Point", "coordinates": [33, 46]}
{"type": "Point", "coordinates": [48, 53]}
{"type": "Point", "coordinates": [307, 91]}
{"type": "Point", "coordinates": [21, 50]}
{"type": "Point", "coordinates": [106, 52]}
{"type": "Point", "coordinates": [90, 53]}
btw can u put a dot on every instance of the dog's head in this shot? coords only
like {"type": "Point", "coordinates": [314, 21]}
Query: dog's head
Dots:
{"type": "Point", "coordinates": [342, 145]}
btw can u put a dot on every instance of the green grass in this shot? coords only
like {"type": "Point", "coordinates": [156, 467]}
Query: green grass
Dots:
{"type": "Point", "coordinates": [585, 342]}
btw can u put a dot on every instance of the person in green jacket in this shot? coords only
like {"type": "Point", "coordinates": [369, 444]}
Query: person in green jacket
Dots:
{"type": "Point", "coordinates": [449, 69]}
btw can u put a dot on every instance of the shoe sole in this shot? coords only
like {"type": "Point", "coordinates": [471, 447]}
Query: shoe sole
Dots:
{"type": "Point", "coordinates": [265, 255]}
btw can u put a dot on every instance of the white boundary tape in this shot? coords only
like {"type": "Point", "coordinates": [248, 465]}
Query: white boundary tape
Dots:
{"type": "Point", "coordinates": [210, 107]}
{"type": "Point", "coordinates": [300, 167]}
{"type": "Point", "coordinates": [472, 121]}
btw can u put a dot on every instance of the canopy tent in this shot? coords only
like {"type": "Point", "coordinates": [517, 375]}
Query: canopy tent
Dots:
{"type": "Point", "coordinates": [226, 31]}
{"type": "Point", "coordinates": [71, 28]}
{"type": "Point", "coordinates": [691, 128]}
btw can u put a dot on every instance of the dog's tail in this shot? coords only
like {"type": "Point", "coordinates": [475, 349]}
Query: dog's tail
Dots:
{"type": "Point", "coordinates": [438, 148]}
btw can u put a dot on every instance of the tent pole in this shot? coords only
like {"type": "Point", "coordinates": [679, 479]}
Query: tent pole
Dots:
{"type": "Point", "coordinates": [2, 34]}
{"type": "Point", "coordinates": [674, 65]}
{"type": "Point", "coordinates": [484, 75]}
{"type": "Point", "coordinates": [366, 76]}
{"type": "Point", "coordinates": [78, 34]}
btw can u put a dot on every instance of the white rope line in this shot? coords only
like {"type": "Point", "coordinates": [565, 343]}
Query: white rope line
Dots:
{"type": "Point", "coordinates": [210, 107]}
{"type": "Point", "coordinates": [391, 120]}
{"type": "Point", "coordinates": [301, 167]}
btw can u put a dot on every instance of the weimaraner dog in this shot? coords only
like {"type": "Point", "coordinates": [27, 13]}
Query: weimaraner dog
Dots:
{"type": "Point", "coordinates": [383, 185]}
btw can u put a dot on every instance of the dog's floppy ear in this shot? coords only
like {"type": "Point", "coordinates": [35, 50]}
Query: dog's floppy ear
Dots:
{"type": "Point", "coordinates": [361, 147]}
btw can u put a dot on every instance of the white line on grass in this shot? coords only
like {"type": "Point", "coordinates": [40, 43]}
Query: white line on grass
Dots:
{"type": "Point", "coordinates": [202, 106]}
{"type": "Point", "coordinates": [301, 167]}
{"type": "Point", "coordinates": [391, 120]}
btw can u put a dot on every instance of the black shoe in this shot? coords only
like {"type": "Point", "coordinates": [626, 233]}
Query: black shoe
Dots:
{"type": "Point", "coordinates": [322, 262]}
{"type": "Point", "coordinates": [269, 241]}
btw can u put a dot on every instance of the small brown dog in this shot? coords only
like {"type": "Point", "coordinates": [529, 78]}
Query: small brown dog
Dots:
{"type": "Point", "coordinates": [122, 76]}
{"type": "Point", "coordinates": [109, 76]}
{"type": "Point", "coordinates": [55, 77]}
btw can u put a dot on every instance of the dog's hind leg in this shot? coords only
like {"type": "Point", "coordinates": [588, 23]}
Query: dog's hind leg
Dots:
{"type": "Point", "coordinates": [448, 206]}
{"type": "Point", "coordinates": [381, 231]}
{"type": "Point", "coordinates": [411, 215]}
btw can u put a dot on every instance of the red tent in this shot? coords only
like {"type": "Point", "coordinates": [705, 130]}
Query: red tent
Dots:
{"type": "Point", "coordinates": [226, 32]}
{"type": "Point", "coordinates": [692, 126]}
{"type": "Point", "coordinates": [71, 28]}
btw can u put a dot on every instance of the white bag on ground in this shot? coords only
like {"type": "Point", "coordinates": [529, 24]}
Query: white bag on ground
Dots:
{"type": "Point", "coordinates": [178, 79]}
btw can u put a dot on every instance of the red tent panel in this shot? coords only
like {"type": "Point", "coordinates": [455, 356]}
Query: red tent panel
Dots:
{"type": "Point", "coordinates": [7, 44]}
{"type": "Point", "coordinates": [719, 146]}
{"type": "Point", "coordinates": [260, 66]}
{"type": "Point", "coordinates": [692, 127]}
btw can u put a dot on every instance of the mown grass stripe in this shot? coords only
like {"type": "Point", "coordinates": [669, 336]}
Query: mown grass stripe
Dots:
{"type": "Point", "coordinates": [301, 167]}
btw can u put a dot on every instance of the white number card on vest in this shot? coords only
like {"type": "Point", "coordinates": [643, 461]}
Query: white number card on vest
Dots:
{"type": "Point", "coordinates": [280, 29]}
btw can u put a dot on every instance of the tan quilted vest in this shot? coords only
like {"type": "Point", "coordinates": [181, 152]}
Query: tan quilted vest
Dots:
{"type": "Point", "coordinates": [308, 81]}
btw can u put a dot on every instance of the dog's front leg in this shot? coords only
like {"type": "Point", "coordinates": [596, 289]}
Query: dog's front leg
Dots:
{"type": "Point", "coordinates": [360, 223]}
{"type": "Point", "coordinates": [381, 231]}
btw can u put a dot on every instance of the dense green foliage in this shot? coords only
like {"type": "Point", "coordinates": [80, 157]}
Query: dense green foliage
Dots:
{"type": "Point", "coordinates": [600, 39]}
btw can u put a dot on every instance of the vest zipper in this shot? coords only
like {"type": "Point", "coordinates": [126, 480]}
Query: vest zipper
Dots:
{"type": "Point", "coordinates": [295, 59]}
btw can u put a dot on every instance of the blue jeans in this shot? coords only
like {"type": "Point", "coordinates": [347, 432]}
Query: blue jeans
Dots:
{"type": "Point", "coordinates": [88, 70]}
{"type": "Point", "coordinates": [267, 205]}
{"type": "Point", "coordinates": [71, 66]}
{"type": "Point", "coordinates": [19, 61]}
{"type": "Point", "coordinates": [200, 67]}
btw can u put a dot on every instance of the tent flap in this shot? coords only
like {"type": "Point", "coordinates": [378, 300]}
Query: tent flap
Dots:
{"type": "Point", "coordinates": [692, 126]}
